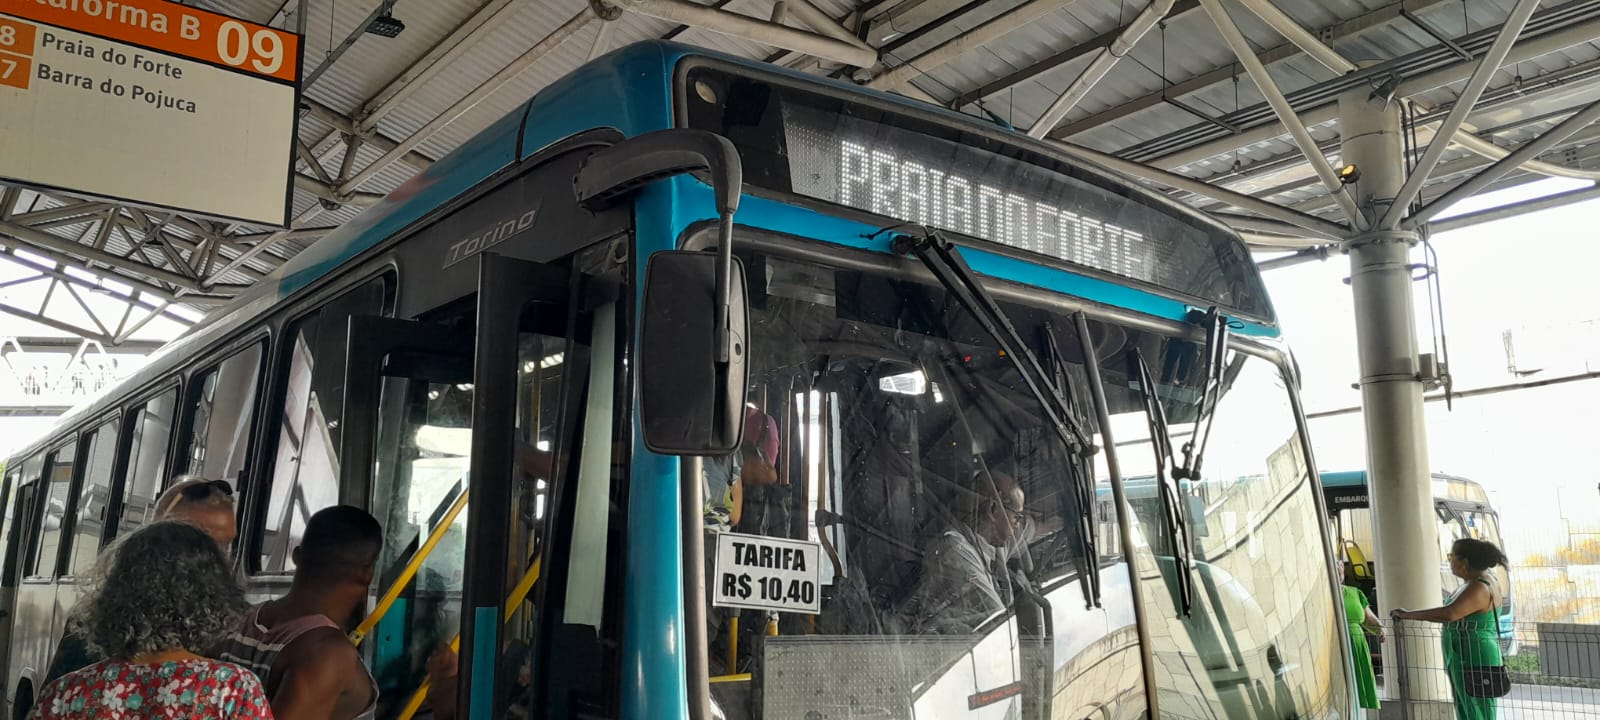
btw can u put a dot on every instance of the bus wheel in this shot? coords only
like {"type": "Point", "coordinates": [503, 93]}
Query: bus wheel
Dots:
{"type": "Point", "coordinates": [24, 703]}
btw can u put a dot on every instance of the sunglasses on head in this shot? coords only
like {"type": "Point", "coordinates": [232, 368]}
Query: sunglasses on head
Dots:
{"type": "Point", "coordinates": [201, 491]}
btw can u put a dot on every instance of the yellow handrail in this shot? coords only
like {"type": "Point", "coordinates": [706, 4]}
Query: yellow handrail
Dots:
{"type": "Point", "coordinates": [518, 594]}
{"type": "Point", "coordinates": [410, 571]}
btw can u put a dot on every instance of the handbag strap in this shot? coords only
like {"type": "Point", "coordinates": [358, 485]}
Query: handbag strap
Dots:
{"type": "Point", "coordinates": [1493, 606]}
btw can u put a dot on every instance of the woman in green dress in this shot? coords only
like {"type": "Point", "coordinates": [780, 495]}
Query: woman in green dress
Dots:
{"type": "Point", "coordinates": [1359, 616]}
{"type": "Point", "coordinates": [1471, 634]}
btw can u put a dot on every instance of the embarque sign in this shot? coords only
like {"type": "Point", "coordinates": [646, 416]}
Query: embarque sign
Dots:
{"type": "Point", "coordinates": [149, 102]}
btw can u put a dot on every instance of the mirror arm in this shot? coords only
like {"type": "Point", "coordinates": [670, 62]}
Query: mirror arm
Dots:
{"type": "Point", "coordinates": [640, 160]}
{"type": "Point", "coordinates": [724, 293]}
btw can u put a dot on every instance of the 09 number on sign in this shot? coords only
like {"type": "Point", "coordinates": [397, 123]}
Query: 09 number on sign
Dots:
{"type": "Point", "coordinates": [236, 45]}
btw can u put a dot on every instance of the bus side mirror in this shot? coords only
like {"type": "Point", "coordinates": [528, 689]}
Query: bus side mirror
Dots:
{"type": "Point", "coordinates": [690, 403]}
{"type": "Point", "coordinates": [693, 339]}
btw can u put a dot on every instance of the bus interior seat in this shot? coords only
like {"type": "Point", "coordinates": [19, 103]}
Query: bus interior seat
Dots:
{"type": "Point", "coordinates": [883, 490]}
{"type": "Point", "coordinates": [1359, 568]}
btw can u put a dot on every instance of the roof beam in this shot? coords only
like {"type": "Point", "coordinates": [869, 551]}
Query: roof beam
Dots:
{"type": "Point", "coordinates": [1337, 31]}
{"type": "Point", "coordinates": [136, 297]}
{"type": "Point", "coordinates": [333, 56]}
{"type": "Point", "coordinates": [263, 242]}
{"type": "Point", "coordinates": [1285, 111]}
{"type": "Point", "coordinates": [70, 210]}
{"type": "Point", "coordinates": [1456, 131]}
{"type": "Point", "coordinates": [490, 15]}
{"type": "Point", "coordinates": [1529, 150]}
{"type": "Point", "coordinates": [1104, 61]}
{"type": "Point", "coordinates": [345, 125]}
{"type": "Point", "coordinates": [1545, 44]}
{"type": "Point", "coordinates": [1487, 67]}
{"type": "Point", "coordinates": [1470, 163]}
{"type": "Point", "coordinates": [756, 30]}
{"type": "Point", "coordinates": [1093, 45]}
{"type": "Point", "coordinates": [820, 21]}
{"type": "Point", "coordinates": [991, 30]}
{"type": "Point", "coordinates": [1527, 206]}
{"type": "Point", "coordinates": [47, 321]}
{"type": "Point", "coordinates": [488, 87]}
{"type": "Point", "coordinates": [47, 241]}
{"type": "Point", "coordinates": [1311, 223]}
{"type": "Point", "coordinates": [318, 188]}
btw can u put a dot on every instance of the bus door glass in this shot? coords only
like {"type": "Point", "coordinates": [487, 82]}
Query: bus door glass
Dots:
{"type": "Point", "coordinates": [544, 381]}
{"type": "Point", "coordinates": [8, 582]}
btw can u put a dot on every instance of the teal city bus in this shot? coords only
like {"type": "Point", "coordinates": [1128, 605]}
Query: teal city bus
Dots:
{"type": "Point", "coordinates": [533, 360]}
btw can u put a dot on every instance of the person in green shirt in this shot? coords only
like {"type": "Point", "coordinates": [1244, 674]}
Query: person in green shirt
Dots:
{"type": "Point", "coordinates": [1363, 622]}
{"type": "Point", "coordinates": [1471, 622]}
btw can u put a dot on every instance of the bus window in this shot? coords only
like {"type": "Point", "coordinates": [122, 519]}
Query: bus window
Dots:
{"type": "Point", "coordinates": [90, 516]}
{"type": "Point", "coordinates": [58, 476]}
{"type": "Point", "coordinates": [13, 498]}
{"type": "Point", "coordinates": [220, 411]}
{"type": "Point", "coordinates": [149, 427]}
{"type": "Point", "coordinates": [305, 473]}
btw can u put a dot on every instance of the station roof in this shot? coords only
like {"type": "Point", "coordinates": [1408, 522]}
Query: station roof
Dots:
{"type": "Point", "coordinates": [1177, 107]}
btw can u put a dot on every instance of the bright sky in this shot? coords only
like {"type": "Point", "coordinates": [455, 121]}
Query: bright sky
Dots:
{"type": "Point", "coordinates": [1529, 448]}
{"type": "Point", "coordinates": [62, 306]}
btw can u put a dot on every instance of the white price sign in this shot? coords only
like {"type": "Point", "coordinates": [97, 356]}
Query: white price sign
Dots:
{"type": "Point", "coordinates": [755, 572]}
{"type": "Point", "coordinates": [149, 102]}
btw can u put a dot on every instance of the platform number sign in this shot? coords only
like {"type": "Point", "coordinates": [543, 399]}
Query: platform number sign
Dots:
{"type": "Point", "coordinates": [755, 572]}
{"type": "Point", "coordinates": [151, 103]}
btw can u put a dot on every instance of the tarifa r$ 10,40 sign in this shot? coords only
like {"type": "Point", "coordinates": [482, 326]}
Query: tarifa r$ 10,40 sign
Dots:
{"type": "Point", "coordinates": [149, 102]}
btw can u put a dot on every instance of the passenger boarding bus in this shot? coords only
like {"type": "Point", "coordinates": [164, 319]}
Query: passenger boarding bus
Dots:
{"type": "Point", "coordinates": [919, 342]}
{"type": "Point", "coordinates": [1462, 510]}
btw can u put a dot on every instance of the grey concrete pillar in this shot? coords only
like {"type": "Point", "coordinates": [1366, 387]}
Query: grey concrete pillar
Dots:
{"type": "Point", "coordinates": [1399, 480]}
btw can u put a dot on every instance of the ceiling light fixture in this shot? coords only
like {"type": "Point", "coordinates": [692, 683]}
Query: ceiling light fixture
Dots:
{"type": "Point", "coordinates": [386, 25]}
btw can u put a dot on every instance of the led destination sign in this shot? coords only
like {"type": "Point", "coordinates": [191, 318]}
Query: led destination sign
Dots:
{"type": "Point", "coordinates": [891, 185]}
{"type": "Point", "coordinates": [943, 175]}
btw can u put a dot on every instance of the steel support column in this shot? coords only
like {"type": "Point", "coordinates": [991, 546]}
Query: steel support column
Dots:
{"type": "Point", "coordinates": [1400, 483]}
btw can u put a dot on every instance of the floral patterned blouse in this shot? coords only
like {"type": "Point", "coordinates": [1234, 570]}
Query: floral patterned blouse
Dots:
{"type": "Point", "coordinates": [179, 690]}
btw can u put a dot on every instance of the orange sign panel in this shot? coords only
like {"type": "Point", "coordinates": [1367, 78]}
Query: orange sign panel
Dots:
{"type": "Point", "coordinates": [172, 28]}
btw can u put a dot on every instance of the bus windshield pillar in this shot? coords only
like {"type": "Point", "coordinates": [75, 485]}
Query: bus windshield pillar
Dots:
{"type": "Point", "coordinates": [1400, 482]}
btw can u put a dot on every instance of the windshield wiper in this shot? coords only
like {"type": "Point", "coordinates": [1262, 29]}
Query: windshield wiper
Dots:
{"type": "Point", "coordinates": [1083, 465]}
{"type": "Point", "coordinates": [1172, 512]}
{"type": "Point", "coordinates": [1211, 387]}
{"type": "Point", "coordinates": [952, 271]}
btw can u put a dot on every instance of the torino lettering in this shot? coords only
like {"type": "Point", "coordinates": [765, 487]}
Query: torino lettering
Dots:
{"type": "Point", "coordinates": [887, 184]}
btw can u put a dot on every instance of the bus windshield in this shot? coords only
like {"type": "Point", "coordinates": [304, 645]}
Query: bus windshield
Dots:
{"type": "Point", "coordinates": [888, 430]}
{"type": "Point", "coordinates": [1260, 598]}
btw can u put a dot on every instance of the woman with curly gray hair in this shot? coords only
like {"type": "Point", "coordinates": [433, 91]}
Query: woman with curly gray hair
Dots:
{"type": "Point", "coordinates": [162, 595]}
